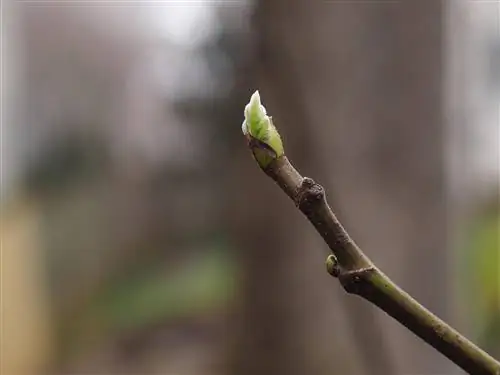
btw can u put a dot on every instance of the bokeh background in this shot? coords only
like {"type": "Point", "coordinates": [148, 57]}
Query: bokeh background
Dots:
{"type": "Point", "coordinates": [139, 236]}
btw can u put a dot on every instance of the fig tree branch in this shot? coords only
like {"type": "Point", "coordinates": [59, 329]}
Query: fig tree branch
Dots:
{"type": "Point", "coordinates": [355, 271]}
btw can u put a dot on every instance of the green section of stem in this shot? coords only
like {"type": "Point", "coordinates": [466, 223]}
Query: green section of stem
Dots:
{"type": "Point", "coordinates": [383, 292]}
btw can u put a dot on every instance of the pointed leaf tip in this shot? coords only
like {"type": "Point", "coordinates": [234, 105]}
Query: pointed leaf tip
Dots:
{"type": "Point", "coordinates": [255, 99]}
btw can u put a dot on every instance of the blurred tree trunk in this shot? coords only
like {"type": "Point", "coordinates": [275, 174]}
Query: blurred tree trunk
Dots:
{"type": "Point", "coordinates": [276, 246]}
{"type": "Point", "coordinates": [380, 92]}
{"type": "Point", "coordinates": [355, 89]}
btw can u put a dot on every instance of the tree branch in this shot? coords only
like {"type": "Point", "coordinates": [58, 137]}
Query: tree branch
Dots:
{"type": "Point", "coordinates": [358, 275]}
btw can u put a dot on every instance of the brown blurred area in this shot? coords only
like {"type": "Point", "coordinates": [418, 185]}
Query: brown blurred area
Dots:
{"type": "Point", "coordinates": [138, 236]}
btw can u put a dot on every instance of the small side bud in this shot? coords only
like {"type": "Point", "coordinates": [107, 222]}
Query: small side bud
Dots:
{"type": "Point", "coordinates": [332, 265]}
{"type": "Point", "coordinates": [263, 138]}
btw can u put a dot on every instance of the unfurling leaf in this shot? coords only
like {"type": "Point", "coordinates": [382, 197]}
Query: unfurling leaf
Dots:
{"type": "Point", "coordinates": [263, 138]}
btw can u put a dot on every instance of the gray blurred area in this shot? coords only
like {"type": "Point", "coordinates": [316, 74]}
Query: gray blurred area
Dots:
{"type": "Point", "coordinates": [139, 236]}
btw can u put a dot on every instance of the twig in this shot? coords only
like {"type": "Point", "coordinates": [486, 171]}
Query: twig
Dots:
{"type": "Point", "coordinates": [355, 271]}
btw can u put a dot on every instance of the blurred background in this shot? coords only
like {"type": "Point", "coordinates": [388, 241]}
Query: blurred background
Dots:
{"type": "Point", "coordinates": [139, 236]}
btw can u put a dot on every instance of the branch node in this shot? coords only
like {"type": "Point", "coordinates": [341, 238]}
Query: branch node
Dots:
{"type": "Point", "coordinates": [353, 281]}
{"type": "Point", "coordinates": [309, 192]}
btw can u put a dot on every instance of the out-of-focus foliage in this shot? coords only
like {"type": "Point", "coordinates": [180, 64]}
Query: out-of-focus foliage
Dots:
{"type": "Point", "coordinates": [159, 292]}
{"type": "Point", "coordinates": [482, 276]}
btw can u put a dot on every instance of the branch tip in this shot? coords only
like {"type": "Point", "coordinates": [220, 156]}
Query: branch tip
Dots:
{"type": "Point", "coordinates": [262, 136]}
